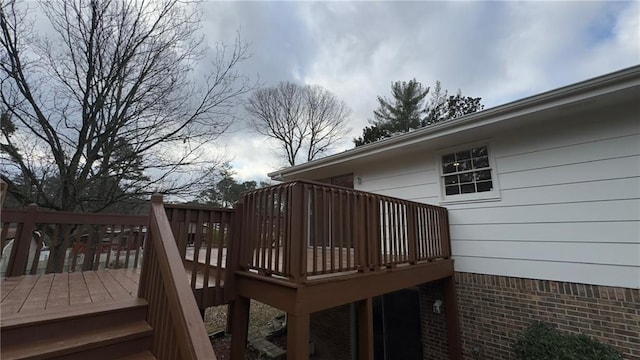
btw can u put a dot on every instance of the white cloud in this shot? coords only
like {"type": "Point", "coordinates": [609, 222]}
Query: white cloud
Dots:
{"type": "Point", "coordinates": [500, 51]}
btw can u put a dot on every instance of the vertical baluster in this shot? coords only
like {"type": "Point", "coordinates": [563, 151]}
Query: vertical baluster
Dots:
{"type": "Point", "coordinates": [412, 232]}
{"type": "Point", "coordinates": [336, 224]}
{"type": "Point", "coordinates": [270, 227]}
{"type": "Point", "coordinates": [254, 230]}
{"type": "Point", "coordinates": [393, 230]}
{"type": "Point", "coordinates": [350, 228]}
{"type": "Point", "coordinates": [422, 231]}
{"type": "Point", "coordinates": [325, 226]}
{"type": "Point", "coordinates": [197, 244]}
{"type": "Point", "coordinates": [139, 244]}
{"type": "Point", "coordinates": [433, 227]}
{"type": "Point", "coordinates": [278, 230]}
{"type": "Point", "coordinates": [222, 239]}
{"type": "Point", "coordinates": [438, 229]}
{"type": "Point", "coordinates": [210, 233]}
{"type": "Point", "coordinates": [340, 229]}
{"type": "Point", "coordinates": [315, 216]}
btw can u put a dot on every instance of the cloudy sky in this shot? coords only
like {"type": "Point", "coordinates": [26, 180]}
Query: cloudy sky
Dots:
{"type": "Point", "coordinates": [500, 51]}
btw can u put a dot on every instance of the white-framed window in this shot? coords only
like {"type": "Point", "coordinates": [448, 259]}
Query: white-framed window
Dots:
{"type": "Point", "coordinates": [467, 173]}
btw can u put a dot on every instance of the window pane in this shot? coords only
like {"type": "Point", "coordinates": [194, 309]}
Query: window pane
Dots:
{"type": "Point", "coordinates": [453, 179]}
{"type": "Point", "coordinates": [484, 186]}
{"type": "Point", "coordinates": [480, 163]}
{"type": "Point", "coordinates": [452, 190]}
{"type": "Point", "coordinates": [463, 155]}
{"type": "Point", "coordinates": [483, 175]}
{"type": "Point", "coordinates": [467, 171]}
{"type": "Point", "coordinates": [464, 165]}
{"type": "Point", "coordinates": [466, 177]}
{"type": "Point", "coordinates": [449, 158]}
{"type": "Point", "coordinates": [478, 152]}
{"type": "Point", "coordinates": [467, 188]}
{"type": "Point", "coordinates": [448, 168]}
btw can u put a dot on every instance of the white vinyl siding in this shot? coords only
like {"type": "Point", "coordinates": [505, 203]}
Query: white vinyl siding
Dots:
{"type": "Point", "coordinates": [569, 206]}
{"type": "Point", "coordinates": [408, 178]}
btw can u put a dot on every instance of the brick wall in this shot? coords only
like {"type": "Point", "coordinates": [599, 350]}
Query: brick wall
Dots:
{"type": "Point", "coordinates": [493, 310]}
{"type": "Point", "coordinates": [330, 331]}
{"type": "Point", "coordinates": [434, 336]}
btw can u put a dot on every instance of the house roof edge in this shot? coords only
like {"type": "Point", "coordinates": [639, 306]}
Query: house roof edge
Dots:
{"type": "Point", "coordinates": [558, 97]}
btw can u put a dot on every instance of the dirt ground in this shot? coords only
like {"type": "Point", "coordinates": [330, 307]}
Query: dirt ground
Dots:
{"type": "Point", "coordinates": [215, 320]}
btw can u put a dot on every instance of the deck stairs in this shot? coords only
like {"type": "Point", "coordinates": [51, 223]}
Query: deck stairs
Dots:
{"type": "Point", "coordinates": [115, 330]}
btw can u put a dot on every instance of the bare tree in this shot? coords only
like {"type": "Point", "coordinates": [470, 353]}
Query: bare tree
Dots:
{"type": "Point", "coordinates": [111, 104]}
{"type": "Point", "coordinates": [309, 118]}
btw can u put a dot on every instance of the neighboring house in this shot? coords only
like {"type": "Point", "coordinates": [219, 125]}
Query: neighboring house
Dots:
{"type": "Point", "coordinates": [544, 207]}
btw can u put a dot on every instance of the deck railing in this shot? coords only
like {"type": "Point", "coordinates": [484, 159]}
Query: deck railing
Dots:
{"type": "Point", "coordinates": [302, 229]}
{"type": "Point", "coordinates": [35, 240]}
{"type": "Point", "coordinates": [203, 236]}
{"type": "Point", "coordinates": [178, 332]}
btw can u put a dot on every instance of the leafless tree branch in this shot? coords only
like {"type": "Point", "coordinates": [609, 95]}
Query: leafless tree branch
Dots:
{"type": "Point", "coordinates": [110, 103]}
{"type": "Point", "coordinates": [299, 117]}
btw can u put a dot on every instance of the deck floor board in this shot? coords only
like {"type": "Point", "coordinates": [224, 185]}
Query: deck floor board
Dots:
{"type": "Point", "coordinates": [96, 288]}
{"type": "Point", "coordinates": [113, 287]}
{"type": "Point", "coordinates": [9, 285]}
{"type": "Point", "coordinates": [13, 303]}
{"type": "Point", "coordinates": [37, 299]}
{"type": "Point", "coordinates": [129, 285]}
{"type": "Point", "coordinates": [29, 294]}
{"type": "Point", "coordinates": [59, 294]}
{"type": "Point", "coordinates": [78, 291]}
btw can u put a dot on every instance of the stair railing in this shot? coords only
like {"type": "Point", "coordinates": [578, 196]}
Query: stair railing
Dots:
{"type": "Point", "coordinates": [178, 330]}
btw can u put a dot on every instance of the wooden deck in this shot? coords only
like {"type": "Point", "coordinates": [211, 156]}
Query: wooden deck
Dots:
{"type": "Point", "coordinates": [301, 247]}
{"type": "Point", "coordinates": [30, 294]}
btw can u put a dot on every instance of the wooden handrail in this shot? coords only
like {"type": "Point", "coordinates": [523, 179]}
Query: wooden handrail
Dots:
{"type": "Point", "coordinates": [180, 333]}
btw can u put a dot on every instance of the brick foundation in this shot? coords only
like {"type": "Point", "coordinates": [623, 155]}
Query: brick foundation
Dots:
{"type": "Point", "coordinates": [434, 336]}
{"type": "Point", "coordinates": [330, 332]}
{"type": "Point", "coordinates": [493, 310]}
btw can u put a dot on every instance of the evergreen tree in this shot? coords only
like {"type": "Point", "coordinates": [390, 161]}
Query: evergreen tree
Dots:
{"type": "Point", "coordinates": [223, 189]}
{"type": "Point", "coordinates": [371, 134]}
{"type": "Point", "coordinates": [408, 112]}
{"type": "Point", "coordinates": [404, 111]}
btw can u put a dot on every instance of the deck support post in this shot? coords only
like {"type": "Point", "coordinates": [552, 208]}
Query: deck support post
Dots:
{"type": "Point", "coordinates": [451, 317]}
{"type": "Point", "coordinates": [239, 332]}
{"type": "Point", "coordinates": [297, 336]}
{"type": "Point", "coordinates": [20, 252]}
{"type": "Point", "coordinates": [229, 328]}
{"type": "Point", "coordinates": [365, 329]}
